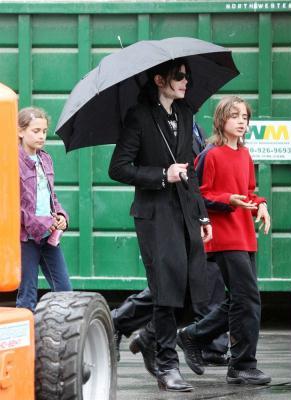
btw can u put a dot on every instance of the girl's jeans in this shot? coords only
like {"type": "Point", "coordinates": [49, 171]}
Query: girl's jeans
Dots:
{"type": "Point", "coordinates": [53, 266]}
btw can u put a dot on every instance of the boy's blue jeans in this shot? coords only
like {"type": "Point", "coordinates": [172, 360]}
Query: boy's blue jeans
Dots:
{"type": "Point", "coordinates": [53, 266]}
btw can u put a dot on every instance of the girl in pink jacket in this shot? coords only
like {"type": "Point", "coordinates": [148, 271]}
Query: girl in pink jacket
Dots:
{"type": "Point", "coordinates": [42, 216]}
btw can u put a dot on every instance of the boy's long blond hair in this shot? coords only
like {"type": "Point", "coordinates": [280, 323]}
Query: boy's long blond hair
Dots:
{"type": "Point", "coordinates": [221, 115]}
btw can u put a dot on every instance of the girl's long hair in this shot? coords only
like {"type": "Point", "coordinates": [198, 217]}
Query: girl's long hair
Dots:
{"type": "Point", "coordinates": [221, 115]}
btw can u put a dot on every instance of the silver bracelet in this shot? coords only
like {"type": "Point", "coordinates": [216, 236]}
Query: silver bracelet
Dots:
{"type": "Point", "coordinates": [204, 221]}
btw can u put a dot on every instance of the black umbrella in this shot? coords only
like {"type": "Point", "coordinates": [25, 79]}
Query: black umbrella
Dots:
{"type": "Point", "coordinates": [95, 109]}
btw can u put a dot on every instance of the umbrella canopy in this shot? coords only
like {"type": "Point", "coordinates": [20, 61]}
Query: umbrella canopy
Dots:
{"type": "Point", "coordinates": [94, 111]}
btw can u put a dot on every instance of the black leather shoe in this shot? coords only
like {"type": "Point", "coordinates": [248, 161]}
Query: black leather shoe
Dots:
{"type": "Point", "coordinates": [117, 340]}
{"type": "Point", "coordinates": [172, 381]}
{"type": "Point", "coordinates": [251, 376]}
{"type": "Point", "coordinates": [148, 351]}
{"type": "Point", "coordinates": [214, 358]}
{"type": "Point", "coordinates": [192, 351]}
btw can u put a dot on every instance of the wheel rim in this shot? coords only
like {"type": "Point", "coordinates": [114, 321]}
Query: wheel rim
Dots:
{"type": "Point", "coordinates": [96, 362]}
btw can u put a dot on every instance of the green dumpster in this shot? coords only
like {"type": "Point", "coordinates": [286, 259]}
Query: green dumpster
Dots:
{"type": "Point", "coordinates": [45, 48]}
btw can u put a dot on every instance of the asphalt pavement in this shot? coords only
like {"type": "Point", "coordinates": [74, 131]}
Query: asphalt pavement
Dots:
{"type": "Point", "coordinates": [274, 358]}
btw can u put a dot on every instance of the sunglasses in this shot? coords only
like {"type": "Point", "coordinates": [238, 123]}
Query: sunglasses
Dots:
{"type": "Point", "coordinates": [179, 76]}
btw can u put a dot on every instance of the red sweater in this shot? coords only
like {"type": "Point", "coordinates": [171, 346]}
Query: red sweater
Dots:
{"type": "Point", "coordinates": [224, 171]}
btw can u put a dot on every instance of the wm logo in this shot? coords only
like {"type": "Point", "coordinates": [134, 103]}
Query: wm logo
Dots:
{"type": "Point", "coordinates": [268, 132]}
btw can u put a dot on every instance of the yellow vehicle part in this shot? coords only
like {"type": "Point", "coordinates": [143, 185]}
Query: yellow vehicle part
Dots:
{"type": "Point", "coordinates": [9, 189]}
{"type": "Point", "coordinates": [16, 324]}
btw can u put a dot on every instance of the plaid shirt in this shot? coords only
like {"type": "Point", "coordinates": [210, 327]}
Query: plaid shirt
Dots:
{"type": "Point", "coordinates": [32, 225]}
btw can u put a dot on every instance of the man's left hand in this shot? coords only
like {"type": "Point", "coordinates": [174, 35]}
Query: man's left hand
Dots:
{"type": "Point", "coordinates": [206, 233]}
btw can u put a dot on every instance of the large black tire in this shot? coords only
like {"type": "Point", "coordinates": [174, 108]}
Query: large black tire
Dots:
{"type": "Point", "coordinates": [75, 352]}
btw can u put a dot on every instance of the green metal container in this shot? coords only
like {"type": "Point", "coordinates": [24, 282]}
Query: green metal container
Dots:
{"type": "Point", "coordinates": [45, 48]}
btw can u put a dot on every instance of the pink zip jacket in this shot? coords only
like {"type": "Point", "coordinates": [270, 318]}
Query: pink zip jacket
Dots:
{"type": "Point", "coordinates": [32, 225]}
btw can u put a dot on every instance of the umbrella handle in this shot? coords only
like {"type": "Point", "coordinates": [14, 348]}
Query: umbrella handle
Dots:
{"type": "Point", "coordinates": [184, 179]}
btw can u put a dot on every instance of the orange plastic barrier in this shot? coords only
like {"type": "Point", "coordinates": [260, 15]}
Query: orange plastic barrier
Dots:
{"type": "Point", "coordinates": [9, 189]}
{"type": "Point", "coordinates": [16, 354]}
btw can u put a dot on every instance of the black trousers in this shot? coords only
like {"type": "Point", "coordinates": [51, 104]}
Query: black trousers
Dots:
{"type": "Point", "coordinates": [137, 311]}
{"type": "Point", "coordinates": [216, 292]}
{"type": "Point", "coordinates": [134, 313]}
{"type": "Point", "coordinates": [165, 330]}
{"type": "Point", "coordinates": [240, 313]}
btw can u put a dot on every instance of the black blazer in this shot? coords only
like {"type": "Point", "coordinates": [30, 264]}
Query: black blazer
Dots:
{"type": "Point", "coordinates": [162, 214]}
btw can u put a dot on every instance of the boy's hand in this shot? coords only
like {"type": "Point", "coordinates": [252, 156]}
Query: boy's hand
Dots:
{"type": "Point", "coordinates": [237, 200]}
{"type": "Point", "coordinates": [206, 233]}
{"type": "Point", "coordinates": [264, 216]}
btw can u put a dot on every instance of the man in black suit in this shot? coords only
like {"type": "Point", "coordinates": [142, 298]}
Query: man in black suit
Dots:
{"type": "Point", "coordinates": [136, 311]}
{"type": "Point", "coordinates": [154, 154]}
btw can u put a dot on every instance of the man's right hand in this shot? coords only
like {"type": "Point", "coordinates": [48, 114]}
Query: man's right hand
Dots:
{"type": "Point", "coordinates": [174, 170]}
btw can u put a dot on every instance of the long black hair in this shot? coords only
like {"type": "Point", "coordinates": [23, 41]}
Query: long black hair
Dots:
{"type": "Point", "coordinates": [167, 70]}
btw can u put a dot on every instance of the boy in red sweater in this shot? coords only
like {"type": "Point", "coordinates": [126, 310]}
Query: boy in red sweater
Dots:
{"type": "Point", "coordinates": [227, 179]}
